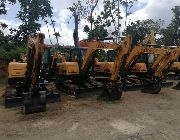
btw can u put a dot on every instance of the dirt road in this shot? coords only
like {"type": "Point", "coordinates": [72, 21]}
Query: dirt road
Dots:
{"type": "Point", "coordinates": [138, 116]}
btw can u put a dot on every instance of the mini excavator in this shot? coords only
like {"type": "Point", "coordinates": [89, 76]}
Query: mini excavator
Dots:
{"type": "Point", "coordinates": [175, 68]}
{"type": "Point", "coordinates": [107, 67]}
{"type": "Point", "coordinates": [76, 76]}
{"type": "Point", "coordinates": [152, 58]}
{"type": "Point", "coordinates": [147, 74]}
{"type": "Point", "coordinates": [28, 88]}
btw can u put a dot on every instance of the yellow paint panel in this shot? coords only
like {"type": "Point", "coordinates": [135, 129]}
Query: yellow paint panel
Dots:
{"type": "Point", "coordinates": [16, 69]}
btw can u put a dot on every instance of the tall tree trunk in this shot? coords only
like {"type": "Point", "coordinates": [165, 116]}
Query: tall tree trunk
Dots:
{"type": "Point", "coordinates": [92, 12]}
{"type": "Point", "coordinates": [75, 34]}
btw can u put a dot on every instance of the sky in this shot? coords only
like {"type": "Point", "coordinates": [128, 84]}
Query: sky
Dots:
{"type": "Point", "coordinates": [142, 9]}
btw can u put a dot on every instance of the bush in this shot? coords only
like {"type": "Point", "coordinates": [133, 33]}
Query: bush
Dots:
{"type": "Point", "coordinates": [13, 53]}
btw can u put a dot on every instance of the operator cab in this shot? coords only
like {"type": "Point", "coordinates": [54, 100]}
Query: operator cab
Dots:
{"type": "Point", "coordinates": [73, 65]}
{"type": "Point", "coordinates": [77, 55]}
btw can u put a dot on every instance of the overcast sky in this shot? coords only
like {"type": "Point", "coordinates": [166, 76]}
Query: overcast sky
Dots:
{"type": "Point", "coordinates": [143, 9]}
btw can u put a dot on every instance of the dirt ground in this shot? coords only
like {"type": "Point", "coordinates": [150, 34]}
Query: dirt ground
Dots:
{"type": "Point", "coordinates": [138, 116]}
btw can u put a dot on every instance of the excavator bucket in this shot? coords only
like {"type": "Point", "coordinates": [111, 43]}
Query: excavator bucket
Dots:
{"type": "Point", "coordinates": [36, 100]}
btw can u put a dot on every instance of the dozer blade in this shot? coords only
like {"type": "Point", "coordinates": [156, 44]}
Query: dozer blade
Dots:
{"type": "Point", "coordinates": [177, 87]}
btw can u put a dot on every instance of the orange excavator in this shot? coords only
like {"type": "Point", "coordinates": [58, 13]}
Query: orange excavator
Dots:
{"type": "Point", "coordinates": [76, 76]}
{"type": "Point", "coordinates": [31, 90]}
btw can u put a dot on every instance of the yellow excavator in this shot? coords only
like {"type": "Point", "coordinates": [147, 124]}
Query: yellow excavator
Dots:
{"type": "Point", "coordinates": [142, 69]}
{"type": "Point", "coordinates": [107, 67]}
{"type": "Point", "coordinates": [28, 86]}
{"type": "Point", "coordinates": [148, 73]}
{"type": "Point", "coordinates": [174, 71]}
{"type": "Point", "coordinates": [76, 76]}
{"type": "Point", "coordinates": [152, 77]}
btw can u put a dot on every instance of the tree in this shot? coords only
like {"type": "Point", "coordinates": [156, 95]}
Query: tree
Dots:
{"type": "Point", "coordinates": [5, 40]}
{"type": "Point", "coordinates": [170, 34]}
{"type": "Point", "coordinates": [3, 10]}
{"type": "Point", "coordinates": [139, 29]}
{"type": "Point", "coordinates": [82, 10]}
{"type": "Point", "coordinates": [97, 32]}
{"type": "Point", "coordinates": [31, 11]}
{"type": "Point", "coordinates": [90, 18]}
{"type": "Point", "coordinates": [110, 16]}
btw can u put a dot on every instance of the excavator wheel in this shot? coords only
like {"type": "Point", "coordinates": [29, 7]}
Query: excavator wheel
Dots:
{"type": "Point", "coordinates": [152, 88]}
{"type": "Point", "coordinates": [34, 103]}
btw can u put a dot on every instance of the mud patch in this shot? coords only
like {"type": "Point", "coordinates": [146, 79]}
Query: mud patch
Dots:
{"type": "Point", "coordinates": [125, 127]}
{"type": "Point", "coordinates": [43, 124]}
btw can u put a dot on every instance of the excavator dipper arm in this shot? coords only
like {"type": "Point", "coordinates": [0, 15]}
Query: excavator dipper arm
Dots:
{"type": "Point", "coordinates": [168, 61]}
{"type": "Point", "coordinates": [93, 47]}
{"type": "Point", "coordinates": [34, 94]}
{"type": "Point", "coordinates": [120, 57]}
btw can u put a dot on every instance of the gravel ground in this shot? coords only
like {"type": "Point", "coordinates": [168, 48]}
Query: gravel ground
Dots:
{"type": "Point", "coordinates": [137, 116]}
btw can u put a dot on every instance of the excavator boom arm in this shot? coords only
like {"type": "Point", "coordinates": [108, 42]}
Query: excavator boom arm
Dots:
{"type": "Point", "coordinates": [34, 57]}
{"type": "Point", "coordinates": [93, 47]}
{"type": "Point", "coordinates": [167, 62]}
{"type": "Point", "coordinates": [139, 49]}
{"type": "Point", "coordinates": [120, 57]}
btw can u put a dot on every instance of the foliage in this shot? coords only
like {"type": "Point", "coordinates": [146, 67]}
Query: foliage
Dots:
{"type": "Point", "coordinates": [139, 29]}
{"type": "Point", "coordinates": [97, 32]}
{"type": "Point", "coordinates": [3, 10]}
{"type": "Point", "coordinates": [31, 11]}
{"type": "Point", "coordinates": [13, 53]}
{"type": "Point", "coordinates": [82, 9]}
{"type": "Point", "coordinates": [101, 55]}
{"type": "Point", "coordinates": [171, 34]}
{"type": "Point", "coordinates": [110, 16]}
